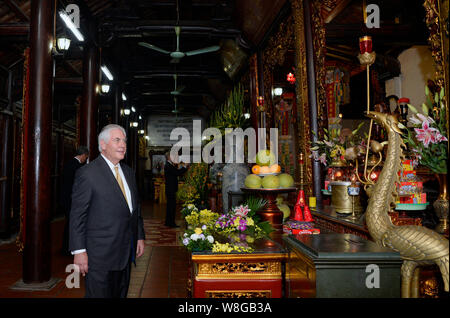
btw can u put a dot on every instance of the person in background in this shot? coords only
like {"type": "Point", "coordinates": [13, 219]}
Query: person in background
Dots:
{"type": "Point", "coordinates": [68, 175]}
{"type": "Point", "coordinates": [106, 226]}
{"type": "Point", "coordinates": [172, 170]}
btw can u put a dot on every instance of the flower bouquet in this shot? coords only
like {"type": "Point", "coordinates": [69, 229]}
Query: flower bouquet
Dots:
{"type": "Point", "coordinates": [337, 145]}
{"type": "Point", "coordinates": [231, 232]}
{"type": "Point", "coordinates": [188, 209]}
{"type": "Point", "coordinates": [426, 137]}
{"type": "Point", "coordinates": [200, 230]}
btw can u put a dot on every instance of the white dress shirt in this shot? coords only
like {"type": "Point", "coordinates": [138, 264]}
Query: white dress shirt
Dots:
{"type": "Point", "coordinates": [125, 185]}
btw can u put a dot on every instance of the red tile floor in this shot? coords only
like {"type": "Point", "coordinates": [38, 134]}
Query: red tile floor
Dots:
{"type": "Point", "coordinates": [160, 273]}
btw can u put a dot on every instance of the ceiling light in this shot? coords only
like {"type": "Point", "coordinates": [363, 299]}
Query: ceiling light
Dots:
{"type": "Point", "coordinates": [105, 88]}
{"type": "Point", "coordinates": [107, 72]}
{"type": "Point", "coordinates": [126, 111]}
{"type": "Point", "coordinates": [141, 132]}
{"type": "Point", "coordinates": [278, 91]}
{"type": "Point", "coordinates": [63, 44]}
{"type": "Point", "coordinates": [135, 123]}
{"type": "Point", "coordinates": [246, 115]}
{"type": "Point", "coordinates": [140, 117]}
{"type": "Point", "coordinates": [124, 97]}
{"type": "Point", "coordinates": [133, 109]}
{"type": "Point", "coordinates": [71, 25]}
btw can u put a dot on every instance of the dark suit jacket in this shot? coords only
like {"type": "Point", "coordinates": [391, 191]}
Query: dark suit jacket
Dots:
{"type": "Point", "coordinates": [68, 176]}
{"type": "Point", "coordinates": [100, 220]}
{"type": "Point", "coordinates": [171, 174]}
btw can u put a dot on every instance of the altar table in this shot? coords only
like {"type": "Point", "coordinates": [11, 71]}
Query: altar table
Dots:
{"type": "Point", "coordinates": [259, 274]}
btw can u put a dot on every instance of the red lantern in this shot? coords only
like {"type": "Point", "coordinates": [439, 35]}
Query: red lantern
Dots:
{"type": "Point", "coordinates": [290, 78]}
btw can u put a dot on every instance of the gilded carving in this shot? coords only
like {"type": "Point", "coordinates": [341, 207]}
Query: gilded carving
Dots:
{"type": "Point", "coordinates": [318, 29]}
{"type": "Point", "coordinates": [274, 54]}
{"type": "Point", "coordinates": [239, 268]}
{"type": "Point", "coordinates": [437, 12]}
{"type": "Point", "coordinates": [302, 90]}
{"type": "Point", "coordinates": [238, 294]}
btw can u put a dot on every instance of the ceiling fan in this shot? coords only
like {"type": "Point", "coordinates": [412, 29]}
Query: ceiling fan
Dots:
{"type": "Point", "coordinates": [176, 91]}
{"type": "Point", "coordinates": [177, 55]}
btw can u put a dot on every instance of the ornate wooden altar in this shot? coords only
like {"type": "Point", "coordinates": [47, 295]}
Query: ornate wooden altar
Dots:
{"type": "Point", "coordinates": [239, 275]}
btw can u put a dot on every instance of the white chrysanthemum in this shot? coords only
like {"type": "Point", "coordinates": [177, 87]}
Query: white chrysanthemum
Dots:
{"type": "Point", "coordinates": [194, 237]}
{"type": "Point", "coordinates": [210, 239]}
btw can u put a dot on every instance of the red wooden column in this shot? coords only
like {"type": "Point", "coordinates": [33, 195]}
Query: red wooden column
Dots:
{"type": "Point", "coordinates": [37, 146]}
{"type": "Point", "coordinates": [89, 103]}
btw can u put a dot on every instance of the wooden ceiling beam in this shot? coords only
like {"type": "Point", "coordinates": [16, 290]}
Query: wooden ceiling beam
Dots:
{"type": "Point", "coordinates": [17, 10]}
{"type": "Point", "coordinates": [14, 29]}
{"type": "Point", "coordinates": [337, 10]}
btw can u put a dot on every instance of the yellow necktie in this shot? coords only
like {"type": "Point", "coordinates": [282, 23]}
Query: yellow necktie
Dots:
{"type": "Point", "coordinates": [120, 182]}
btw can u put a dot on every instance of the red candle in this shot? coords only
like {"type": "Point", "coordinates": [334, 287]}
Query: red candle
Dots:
{"type": "Point", "coordinates": [365, 44]}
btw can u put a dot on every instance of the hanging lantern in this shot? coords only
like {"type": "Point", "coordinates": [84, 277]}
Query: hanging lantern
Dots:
{"type": "Point", "coordinates": [290, 78]}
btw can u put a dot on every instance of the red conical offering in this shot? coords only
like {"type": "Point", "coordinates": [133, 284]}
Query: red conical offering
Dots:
{"type": "Point", "coordinates": [301, 198]}
{"type": "Point", "coordinates": [298, 214]}
{"type": "Point", "coordinates": [307, 214]}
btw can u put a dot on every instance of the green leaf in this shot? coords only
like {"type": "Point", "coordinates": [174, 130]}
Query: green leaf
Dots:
{"type": "Point", "coordinates": [441, 94]}
{"type": "Point", "coordinates": [436, 98]}
{"type": "Point", "coordinates": [425, 109]}
{"type": "Point", "coordinates": [427, 90]}
{"type": "Point", "coordinates": [412, 108]}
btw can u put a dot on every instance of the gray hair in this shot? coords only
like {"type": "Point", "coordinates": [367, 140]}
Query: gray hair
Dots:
{"type": "Point", "coordinates": [105, 134]}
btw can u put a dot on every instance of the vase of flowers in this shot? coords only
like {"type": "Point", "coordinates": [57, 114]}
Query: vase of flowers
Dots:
{"type": "Point", "coordinates": [338, 146]}
{"type": "Point", "coordinates": [428, 143]}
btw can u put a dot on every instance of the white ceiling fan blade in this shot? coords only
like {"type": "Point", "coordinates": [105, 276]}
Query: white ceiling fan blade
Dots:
{"type": "Point", "coordinates": [151, 46]}
{"type": "Point", "coordinates": [175, 61]}
{"type": "Point", "coordinates": [204, 50]}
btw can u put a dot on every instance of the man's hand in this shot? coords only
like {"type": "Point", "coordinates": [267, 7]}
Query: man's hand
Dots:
{"type": "Point", "coordinates": [81, 260]}
{"type": "Point", "coordinates": [140, 248]}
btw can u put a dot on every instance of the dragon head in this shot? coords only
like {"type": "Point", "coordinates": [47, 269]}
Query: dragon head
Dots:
{"type": "Point", "coordinates": [388, 121]}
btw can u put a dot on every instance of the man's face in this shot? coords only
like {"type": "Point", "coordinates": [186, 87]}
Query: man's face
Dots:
{"type": "Point", "coordinates": [116, 147]}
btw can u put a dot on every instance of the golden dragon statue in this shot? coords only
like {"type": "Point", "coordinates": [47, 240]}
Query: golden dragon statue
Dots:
{"type": "Point", "coordinates": [417, 245]}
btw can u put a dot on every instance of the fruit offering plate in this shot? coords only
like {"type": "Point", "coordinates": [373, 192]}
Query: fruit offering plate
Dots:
{"type": "Point", "coordinates": [269, 189]}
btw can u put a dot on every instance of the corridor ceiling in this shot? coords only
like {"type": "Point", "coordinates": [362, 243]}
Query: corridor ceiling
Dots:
{"type": "Point", "coordinates": [238, 27]}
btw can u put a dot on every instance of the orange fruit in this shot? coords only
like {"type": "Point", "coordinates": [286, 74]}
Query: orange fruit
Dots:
{"type": "Point", "coordinates": [275, 168]}
{"type": "Point", "coordinates": [256, 169]}
{"type": "Point", "coordinates": [264, 169]}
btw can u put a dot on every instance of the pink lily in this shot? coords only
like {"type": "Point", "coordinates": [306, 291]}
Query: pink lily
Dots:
{"type": "Point", "coordinates": [426, 134]}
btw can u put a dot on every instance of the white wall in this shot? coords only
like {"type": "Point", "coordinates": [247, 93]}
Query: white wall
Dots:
{"type": "Point", "coordinates": [417, 67]}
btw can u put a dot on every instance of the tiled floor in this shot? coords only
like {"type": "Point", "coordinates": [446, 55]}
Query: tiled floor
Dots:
{"type": "Point", "coordinates": [161, 272]}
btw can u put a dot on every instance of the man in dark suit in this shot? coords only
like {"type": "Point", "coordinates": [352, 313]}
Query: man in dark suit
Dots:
{"type": "Point", "coordinates": [106, 226]}
{"type": "Point", "coordinates": [68, 175]}
{"type": "Point", "coordinates": [172, 170]}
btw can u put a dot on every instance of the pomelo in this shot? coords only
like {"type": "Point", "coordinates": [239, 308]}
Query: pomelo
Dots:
{"type": "Point", "coordinates": [271, 182]}
{"type": "Point", "coordinates": [286, 180]}
{"type": "Point", "coordinates": [265, 158]}
{"type": "Point", "coordinates": [253, 181]}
